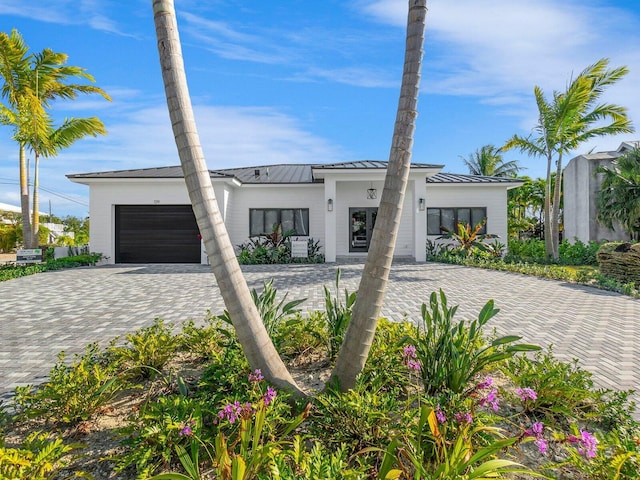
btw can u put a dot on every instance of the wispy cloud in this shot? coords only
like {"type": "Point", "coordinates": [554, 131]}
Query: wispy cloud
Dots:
{"type": "Point", "coordinates": [497, 50]}
{"type": "Point", "coordinates": [141, 138]}
{"type": "Point", "coordinates": [65, 12]}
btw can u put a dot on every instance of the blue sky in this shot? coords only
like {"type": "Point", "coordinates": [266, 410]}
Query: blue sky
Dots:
{"type": "Point", "coordinates": [316, 81]}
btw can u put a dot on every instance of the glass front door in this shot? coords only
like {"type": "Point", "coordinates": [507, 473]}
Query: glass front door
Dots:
{"type": "Point", "coordinates": [362, 221]}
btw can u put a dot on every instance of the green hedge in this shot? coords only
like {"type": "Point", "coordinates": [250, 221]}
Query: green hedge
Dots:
{"type": "Point", "coordinates": [9, 272]}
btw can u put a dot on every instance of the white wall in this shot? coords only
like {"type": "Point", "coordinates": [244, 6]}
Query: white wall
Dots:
{"type": "Point", "coordinates": [353, 194]}
{"type": "Point", "coordinates": [275, 196]}
{"type": "Point", "coordinates": [106, 195]}
{"type": "Point", "coordinates": [494, 198]}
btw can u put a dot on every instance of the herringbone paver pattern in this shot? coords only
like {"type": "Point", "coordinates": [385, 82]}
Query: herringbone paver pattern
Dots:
{"type": "Point", "coordinates": [65, 310]}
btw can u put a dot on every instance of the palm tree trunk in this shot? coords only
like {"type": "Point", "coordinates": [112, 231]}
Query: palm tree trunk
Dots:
{"type": "Point", "coordinates": [359, 336]}
{"type": "Point", "coordinates": [252, 334]}
{"type": "Point", "coordinates": [555, 214]}
{"type": "Point", "coordinates": [35, 223]}
{"type": "Point", "coordinates": [24, 199]}
{"type": "Point", "coordinates": [548, 230]}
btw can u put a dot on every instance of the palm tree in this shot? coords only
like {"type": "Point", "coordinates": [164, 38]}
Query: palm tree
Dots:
{"type": "Point", "coordinates": [488, 161]}
{"type": "Point", "coordinates": [30, 83]}
{"type": "Point", "coordinates": [244, 315]}
{"type": "Point", "coordinates": [567, 121]}
{"type": "Point", "coordinates": [48, 143]}
{"type": "Point", "coordinates": [619, 196]}
{"type": "Point", "coordinates": [361, 330]}
{"type": "Point", "coordinates": [14, 69]}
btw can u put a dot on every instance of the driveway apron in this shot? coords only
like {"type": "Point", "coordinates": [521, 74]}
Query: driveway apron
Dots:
{"type": "Point", "coordinates": [65, 310]}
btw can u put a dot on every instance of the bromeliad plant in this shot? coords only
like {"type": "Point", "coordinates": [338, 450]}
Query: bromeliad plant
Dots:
{"type": "Point", "coordinates": [468, 239]}
{"type": "Point", "coordinates": [449, 355]}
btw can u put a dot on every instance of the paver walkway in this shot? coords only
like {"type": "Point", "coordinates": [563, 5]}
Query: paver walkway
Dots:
{"type": "Point", "coordinates": [43, 314]}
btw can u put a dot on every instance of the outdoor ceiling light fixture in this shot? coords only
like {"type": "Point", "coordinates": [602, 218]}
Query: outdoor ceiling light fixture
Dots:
{"type": "Point", "coordinates": [421, 204]}
{"type": "Point", "coordinates": [330, 205]}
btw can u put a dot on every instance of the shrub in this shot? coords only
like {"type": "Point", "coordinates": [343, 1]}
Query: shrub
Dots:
{"type": "Point", "coordinates": [265, 250]}
{"type": "Point", "coordinates": [147, 350]}
{"type": "Point", "coordinates": [563, 389]}
{"type": "Point", "coordinates": [204, 341]}
{"type": "Point", "coordinates": [338, 315]}
{"type": "Point", "coordinates": [449, 354]}
{"type": "Point", "coordinates": [151, 436]}
{"type": "Point", "coordinates": [73, 392]}
{"type": "Point", "coordinates": [39, 457]}
{"type": "Point", "coordinates": [8, 272]}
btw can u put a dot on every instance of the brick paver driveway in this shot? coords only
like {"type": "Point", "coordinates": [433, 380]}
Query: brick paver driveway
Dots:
{"type": "Point", "coordinates": [65, 310]}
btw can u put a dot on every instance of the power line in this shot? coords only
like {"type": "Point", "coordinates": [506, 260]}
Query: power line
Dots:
{"type": "Point", "coordinates": [52, 192]}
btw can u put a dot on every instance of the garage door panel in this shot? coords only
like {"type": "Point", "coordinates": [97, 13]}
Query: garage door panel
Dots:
{"type": "Point", "coordinates": [156, 234]}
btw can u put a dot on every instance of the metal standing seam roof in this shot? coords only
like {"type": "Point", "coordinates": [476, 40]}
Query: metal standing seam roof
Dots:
{"type": "Point", "coordinates": [288, 173]}
{"type": "Point", "coordinates": [157, 172]}
{"type": "Point", "coordinates": [462, 178]}
{"type": "Point", "coordinates": [368, 164]}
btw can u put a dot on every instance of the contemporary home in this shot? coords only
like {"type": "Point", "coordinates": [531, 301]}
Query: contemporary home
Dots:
{"type": "Point", "coordinates": [144, 215]}
{"type": "Point", "coordinates": [581, 183]}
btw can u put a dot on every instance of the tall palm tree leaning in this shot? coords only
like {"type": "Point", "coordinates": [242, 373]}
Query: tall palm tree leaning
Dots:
{"type": "Point", "coordinates": [251, 332]}
{"type": "Point", "coordinates": [571, 118]}
{"type": "Point", "coordinates": [488, 161]}
{"type": "Point", "coordinates": [366, 311]}
{"type": "Point", "coordinates": [244, 315]}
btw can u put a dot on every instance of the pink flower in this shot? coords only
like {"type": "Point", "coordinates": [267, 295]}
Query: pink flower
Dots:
{"type": "Point", "coordinates": [486, 383]}
{"type": "Point", "coordinates": [269, 396]}
{"type": "Point", "coordinates": [440, 416]}
{"type": "Point", "coordinates": [413, 365]}
{"type": "Point", "coordinates": [541, 443]}
{"type": "Point", "coordinates": [588, 444]}
{"type": "Point", "coordinates": [463, 417]}
{"type": "Point", "coordinates": [526, 394]}
{"type": "Point", "coordinates": [256, 376]}
{"type": "Point", "coordinates": [490, 399]}
{"type": "Point", "coordinates": [409, 351]}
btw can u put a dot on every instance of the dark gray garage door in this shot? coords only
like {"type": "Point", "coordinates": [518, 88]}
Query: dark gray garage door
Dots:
{"type": "Point", "coordinates": [156, 234]}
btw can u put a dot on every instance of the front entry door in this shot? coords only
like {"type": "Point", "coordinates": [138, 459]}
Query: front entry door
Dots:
{"type": "Point", "coordinates": [362, 221]}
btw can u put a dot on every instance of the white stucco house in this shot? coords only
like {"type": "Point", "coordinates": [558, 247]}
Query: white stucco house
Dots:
{"type": "Point", "coordinates": [144, 215]}
{"type": "Point", "coordinates": [581, 184]}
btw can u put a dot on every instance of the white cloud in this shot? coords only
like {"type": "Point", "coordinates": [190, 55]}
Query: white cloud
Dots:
{"type": "Point", "coordinates": [141, 137]}
{"type": "Point", "coordinates": [64, 12]}
{"type": "Point", "coordinates": [497, 50]}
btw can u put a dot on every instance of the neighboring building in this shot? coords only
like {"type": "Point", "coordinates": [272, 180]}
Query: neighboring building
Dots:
{"type": "Point", "coordinates": [144, 216]}
{"type": "Point", "coordinates": [581, 184]}
{"type": "Point", "coordinates": [56, 230]}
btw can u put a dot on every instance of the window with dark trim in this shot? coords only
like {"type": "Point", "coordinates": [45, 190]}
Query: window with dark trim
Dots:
{"type": "Point", "coordinates": [263, 220]}
{"type": "Point", "coordinates": [440, 218]}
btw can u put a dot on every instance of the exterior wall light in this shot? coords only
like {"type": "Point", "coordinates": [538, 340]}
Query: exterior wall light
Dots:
{"type": "Point", "coordinates": [421, 204]}
{"type": "Point", "coordinates": [330, 205]}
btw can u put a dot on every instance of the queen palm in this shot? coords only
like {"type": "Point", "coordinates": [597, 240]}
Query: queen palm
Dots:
{"type": "Point", "coordinates": [565, 122]}
{"type": "Point", "coordinates": [30, 83]}
{"type": "Point", "coordinates": [488, 161]}
{"type": "Point", "coordinates": [619, 195]}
